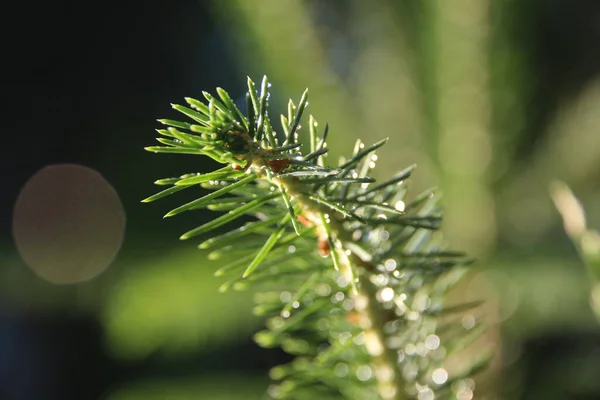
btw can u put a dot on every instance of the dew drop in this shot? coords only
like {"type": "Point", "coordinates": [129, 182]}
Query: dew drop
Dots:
{"type": "Point", "coordinates": [439, 376]}
{"type": "Point", "coordinates": [359, 339]}
{"type": "Point", "coordinates": [468, 322]}
{"type": "Point", "coordinates": [339, 296]}
{"type": "Point", "coordinates": [342, 281]}
{"type": "Point", "coordinates": [345, 337]}
{"type": "Point", "coordinates": [426, 394]}
{"type": "Point", "coordinates": [341, 370]}
{"type": "Point", "coordinates": [348, 304]}
{"type": "Point", "coordinates": [422, 350]}
{"type": "Point", "coordinates": [466, 394]}
{"type": "Point", "coordinates": [390, 264]}
{"type": "Point", "coordinates": [323, 289]}
{"type": "Point", "coordinates": [432, 342]}
{"type": "Point", "coordinates": [400, 206]}
{"type": "Point", "coordinates": [364, 373]}
{"type": "Point", "coordinates": [380, 279]}
{"type": "Point", "coordinates": [285, 296]}
{"type": "Point", "coordinates": [386, 294]}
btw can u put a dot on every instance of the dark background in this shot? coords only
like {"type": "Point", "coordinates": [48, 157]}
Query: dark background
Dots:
{"type": "Point", "coordinates": [84, 83]}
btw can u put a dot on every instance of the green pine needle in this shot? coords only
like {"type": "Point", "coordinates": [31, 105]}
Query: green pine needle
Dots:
{"type": "Point", "coordinates": [164, 193]}
{"type": "Point", "coordinates": [230, 216]}
{"type": "Point", "coordinates": [236, 234]}
{"type": "Point", "coordinates": [227, 173]}
{"type": "Point", "coordinates": [195, 115]}
{"type": "Point", "coordinates": [206, 199]}
{"type": "Point", "coordinates": [268, 246]}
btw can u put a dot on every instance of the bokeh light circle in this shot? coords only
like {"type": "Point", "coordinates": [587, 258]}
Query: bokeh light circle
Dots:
{"type": "Point", "coordinates": [68, 223]}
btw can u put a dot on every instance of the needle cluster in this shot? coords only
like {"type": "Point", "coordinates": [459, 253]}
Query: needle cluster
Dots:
{"type": "Point", "coordinates": [352, 272]}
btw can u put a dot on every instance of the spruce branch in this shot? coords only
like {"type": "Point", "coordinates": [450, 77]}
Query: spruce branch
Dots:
{"type": "Point", "coordinates": [363, 268]}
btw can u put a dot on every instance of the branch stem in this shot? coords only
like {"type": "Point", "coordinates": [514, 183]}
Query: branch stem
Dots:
{"type": "Point", "coordinates": [372, 316]}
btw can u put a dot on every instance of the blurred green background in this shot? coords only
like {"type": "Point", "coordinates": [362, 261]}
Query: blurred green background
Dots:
{"type": "Point", "coordinates": [492, 100]}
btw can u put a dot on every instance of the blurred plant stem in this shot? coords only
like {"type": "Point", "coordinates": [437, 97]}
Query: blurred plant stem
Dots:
{"type": "Point", "coordinates": [569, 152]}
{"type": "Point", "coordinates": [386, 90]}
{"type": "Point", "coordinates": [586, 241]}
{"type": "Point", "coordinates": [456, 44]}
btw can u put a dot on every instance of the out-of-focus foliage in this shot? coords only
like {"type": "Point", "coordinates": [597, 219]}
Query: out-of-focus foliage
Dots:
{"type": "Point", "coordinates": [171, 303]}
{"type": "Point", "coordinates": [213, 387]}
